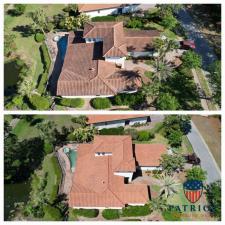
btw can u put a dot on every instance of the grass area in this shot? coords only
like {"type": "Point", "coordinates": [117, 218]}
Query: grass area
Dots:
{"type": "Point", "coordinates": [186, 147]}
{"type": "Point", "coordinates": [51, 167]}
{"type": "Point", "coordinates": [205, 86]}
{"type": "Point", "coordinates": [159, 138]}
{"type": "Point", "coordinates": [148, 74]}
{"type": "Point", "coordinates": [24, 130]}
{"type": "Point", "coordinates": [27, 48]}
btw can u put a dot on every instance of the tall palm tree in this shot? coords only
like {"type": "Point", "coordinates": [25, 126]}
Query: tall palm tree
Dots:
{"type": "Point", "coordinates": [158, 204]}
{"type": "Point", "coordinates": [163, 71]}
{"type": "Point", "coordinates": [169, 185]}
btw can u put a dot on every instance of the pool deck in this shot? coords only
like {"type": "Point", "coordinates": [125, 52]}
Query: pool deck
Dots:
{"type": "Point", "coordinates": [67, 174]}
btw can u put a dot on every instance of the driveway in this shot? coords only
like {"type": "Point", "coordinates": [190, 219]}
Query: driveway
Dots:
{"type": "Point", "coordinates": [203, 47]}
{"type": "Point", "coordinates": [201, 149]}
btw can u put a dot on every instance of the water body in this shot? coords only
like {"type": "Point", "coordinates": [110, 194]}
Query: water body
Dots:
{"type": "Point", "coordinates": [14, 193]}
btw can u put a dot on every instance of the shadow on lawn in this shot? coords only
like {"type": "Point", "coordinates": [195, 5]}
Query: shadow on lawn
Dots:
{"type": "Point", "coordinates": [24, 30]}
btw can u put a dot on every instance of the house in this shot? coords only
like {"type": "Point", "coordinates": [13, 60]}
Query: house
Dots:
{"type": "Point", "coordinates": [104, 171]}
{"type": "Point", "coordinates": [112, 121]}
{"type": "Point", "coordinates": [95, 58]}
{"type": "Point", "coordinates": [94, 10]}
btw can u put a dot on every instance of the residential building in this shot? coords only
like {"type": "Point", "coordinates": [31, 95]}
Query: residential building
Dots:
{"type": "Point", "coordinates": [94, 61]}
{"type": "Point", "coordinates": [104, 171]}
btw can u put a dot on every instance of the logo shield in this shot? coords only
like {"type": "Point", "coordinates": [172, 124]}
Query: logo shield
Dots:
{"type": "Point", "coordinates": [193, 190]}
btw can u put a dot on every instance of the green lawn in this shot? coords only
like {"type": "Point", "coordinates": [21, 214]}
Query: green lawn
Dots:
{"type": "Point", "coordinates": [27, 48]}
{"type": "Point", "coordinates": [186, 146]}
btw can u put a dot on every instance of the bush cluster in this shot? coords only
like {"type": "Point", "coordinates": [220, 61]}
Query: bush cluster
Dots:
{"type": "Point", "coordinates": [39, 37]}
{"type": "Point", "coordinates": [39, 102]}
{"type": "Point", "coordinates": [100, 103]}
{"type": "Point", "coordinates": [70, 102]}
{"type": "Point", "coordinates": [136, 211]}
{"type": "Point", "coordinates": [112, 131]}
{"type": "Point", "coordinates": [145, 135]}
{"type": "Point", "coordinates": [47, 63]}
{"type": "Point", "coordinates": [103, 18]}
{"type": "Point", "coordinates": [89, 213]}
{"type": "Point", "coordinates": [111, 214]}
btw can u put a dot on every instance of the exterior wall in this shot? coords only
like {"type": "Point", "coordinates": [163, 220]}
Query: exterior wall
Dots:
{"type": "Point", "coordinates": [91, 40]}
{"type": "Point", "coordinates": [130, 8]}
{"type": "Point", "coordinates": [95, 207]}
{"type": "Point", "coordinates": [102, 12]}
{"type": "Point", "coordinates": [88, 96]}
{"type": "Point", "coordinates": [141, 54]}
{"type": "Point", "coordinates": [149, 168]}
{"type": "Point", "coordinates": [119, 123]}
{"type": "Point", "coordinates": [116, 60]}
{"type": "Point", "coordinates": [129, 175]}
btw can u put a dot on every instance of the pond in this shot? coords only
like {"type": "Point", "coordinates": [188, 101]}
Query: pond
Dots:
{"type": "Point", "coordinates": [11, 76]}
{"type": "Point", "coordinates": [15, 193]}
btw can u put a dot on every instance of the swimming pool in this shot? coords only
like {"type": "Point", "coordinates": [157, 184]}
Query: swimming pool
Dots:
{"type": "Point", "coordinates": [72, 155]}
{"type": "Point", "coordinates": [62, 45]}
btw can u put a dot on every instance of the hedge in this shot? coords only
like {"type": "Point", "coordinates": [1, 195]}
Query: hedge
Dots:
{"type": "Point", "coordinates": [46, 63]}
{"type": "Point", "coordinates": [171, 215]}
{"type": "Point", "coordinates": [132, 132]}
{"type": "Point", "coordinates": [112, 131]}
{"type": "Point", "coordinates": [39, 102]}
{"type": "Point", "coordinates": [103, 19]}
{"type": "Point", "coordinates": [136, 211]}
{"type": "Point", "coordinates": [89, 213]}
{"type": "Point", "coordinates": [39, 37]}
{"type": "Point", "coordinates": [131, 100]}
{"type": "Point", "coordinates": [100, 103]}
{"type": "Point", "coordinates": [111, 214]}
{"type": "Point", "coordinates": [145, 135]}
{"type": "Point", "coordinates": [51, 213]}
{"type": "Point", "coordinates": [70, 102]}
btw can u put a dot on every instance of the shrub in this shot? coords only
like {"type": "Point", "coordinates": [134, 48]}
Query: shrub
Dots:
{"type": "Point", "coordinates": [145, 135]}
{"type": "Point", "coordinates": [47, 63]}
{"type": "Point", "coordinates": [196, 173]}
{"type": "Point", "coordinates": [18, 10]}
{"type": "Point", "coordinates": [111, 214]}
{"type": "Point", "coordinates": [134, 23]}
{"type": "Point", "coordinates": [39, 102]}
{"type": "Point", "coordinates": [89, 213]}
{"type": "Point", "coordinates": [132, 132]}
{"type": "Point", "coordinates": [39, 37]}
{"type": "Point", "coordinates": [171, 215]}
{"type": "Point", "coordinates": [191, 59]}
{"type": "Point", "coordinates": [175, 138]}
{"type": "Point", "coordinates": [70, 102]}
{"type": "Point", "coordinates": [48, 147]}
{"type": "Point", "coordinates": [136, 211]}
{"type": "Point", "coordinates": [112, 131]}
{"type": "Point", "coordinates": [51, 213]}
{"type": "Point", "coordinates": [103, 19]}
{"type": "Point", "coordinates": [82, 120]}
{"type": "Point", "coordinates": [166, 101]}
{"type": "Point", "coordinates": [100, 103]}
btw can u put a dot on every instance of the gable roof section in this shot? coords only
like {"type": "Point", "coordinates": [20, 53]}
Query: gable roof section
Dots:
{"type": "Point", "coordinates": [94, 182]}
{"type": "Point", "coordinates": [112, 34]}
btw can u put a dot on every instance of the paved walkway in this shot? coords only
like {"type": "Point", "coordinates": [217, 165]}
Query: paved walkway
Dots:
{"type": "Point", "coordinates": [201, 149]}
{"type": "Point", "coordinates": [202, 45]}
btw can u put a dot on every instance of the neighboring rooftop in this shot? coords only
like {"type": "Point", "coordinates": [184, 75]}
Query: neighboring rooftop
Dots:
{"type": "Point", "coordinates": [105, 118]}
{"type": "Point", "coordinates": [93, 7]}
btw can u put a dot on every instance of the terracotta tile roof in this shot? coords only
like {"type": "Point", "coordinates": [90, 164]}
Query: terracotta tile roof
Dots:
{"type": "Point", "coordinates": [93, 7]}
{"type": "Point", "coordinates": [140, 40]}
{"type": "Point", "coordinates": [104, 118]}
{"type": "Point", "coordinates": [94, 182]}
{"type": "Point", "coordinates": [112, 34]}
{"type": "Point", "coordinates": [149, 154]}
{"type": "Point", "coordinates": [85, 73]}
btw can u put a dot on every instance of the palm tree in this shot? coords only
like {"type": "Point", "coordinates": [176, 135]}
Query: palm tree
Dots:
{"type": "Point", "coordinates": [150, 91]}
{"type": "Point", "coordinates": [163, 71]}
{"type": "Point", "coordinates": [168, 185]}
{"type": "Point", "coordinates": [158, 204]}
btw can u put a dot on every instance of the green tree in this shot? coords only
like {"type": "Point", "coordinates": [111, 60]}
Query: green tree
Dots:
{"type": "Point", "coordinates": [169, 21]}
{"type": "Point", "coordinates": [166, 101]}
{"type": "Point", "coordinates": [9, 44]}
{"type": "Point", "coordinates": [25, 86]}
{"type": "Point", "coordinates": [191, 59]}
{"type": "Point", "coordinates": [169, 185]}
{"type": "Point", "coordinates": [39, 19]}
{"type": "Point", "coordinates": [18, 9]}
{"type": "Point", "coordinates": [172, 163]}
{"type": "Point", "coordinates": [158, 204]}
{"type": "Point", "coordinates": [196, 173]}
{"type": "Point", "coordinates": [175, 138]}
{"type": "Point", "coordinates": [46, 130]}
{"type": "Point", "coordinates": [215, 80]}
{"type": "Point", "coordinates": [134, 23]}
{"type": "Point", "coordinates": [213, 195]}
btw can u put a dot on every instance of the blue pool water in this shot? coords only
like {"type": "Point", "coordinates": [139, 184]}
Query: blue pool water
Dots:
{"type": "Point", "coordinates": [62, 45]}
